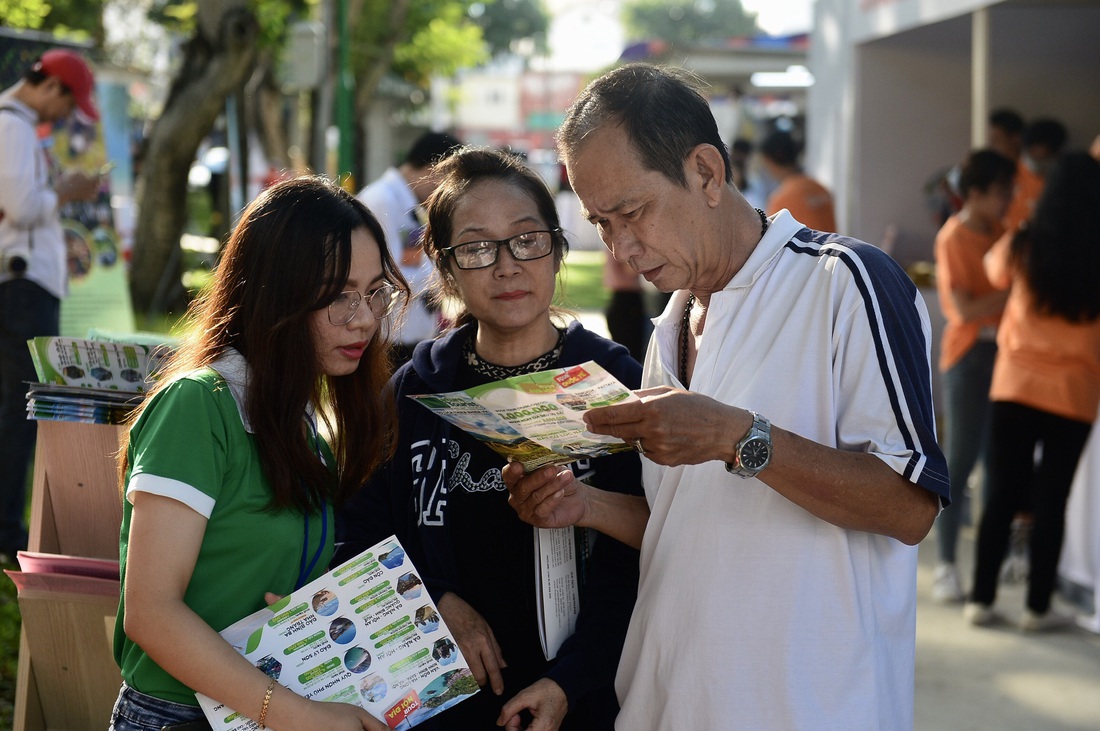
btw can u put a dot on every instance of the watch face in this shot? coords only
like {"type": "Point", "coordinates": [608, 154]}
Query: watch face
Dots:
{"type": "Point", "coordinates": [755, 454]}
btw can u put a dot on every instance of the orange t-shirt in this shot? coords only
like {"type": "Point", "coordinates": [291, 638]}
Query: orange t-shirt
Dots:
{"type": "Point", "coordinates": [1043, 362]}
{"type": "Point", "coordinates": [1027, 187]}
{"type": "Point", "coordinates": [807, 200]}
{"type": "Point", "coordinates": [958, 252]}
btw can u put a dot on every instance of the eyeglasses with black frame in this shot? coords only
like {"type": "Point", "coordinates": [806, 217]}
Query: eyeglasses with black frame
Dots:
{"type": "Point", "coordinates": [526, 246]}
{"type": "Point", "coordinates": [381, 301]}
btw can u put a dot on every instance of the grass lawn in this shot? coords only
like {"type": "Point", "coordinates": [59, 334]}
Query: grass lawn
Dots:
{"type": "Point", "coordinates": [582, 288]}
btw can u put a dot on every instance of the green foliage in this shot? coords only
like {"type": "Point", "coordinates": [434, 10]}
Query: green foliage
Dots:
{"type": "Point", "coordinates": [435, 36]}
{"type": "Point", "coordinates": [24, 14]}
{"type": "Point", "coordinates": [77, 20]}
{"type": "Point", "coordinates": [443, 45]}
{"type": "Point", "coordinates": [503, 22]}
{"type": "Point", "coordinates": [687, 22]}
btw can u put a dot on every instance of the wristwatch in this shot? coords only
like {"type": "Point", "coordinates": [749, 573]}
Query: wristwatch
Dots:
{"type": "Point", "coordinates": [754, 451]}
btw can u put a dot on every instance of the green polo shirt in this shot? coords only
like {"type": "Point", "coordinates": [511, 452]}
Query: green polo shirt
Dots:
{"type": "Point", "coordinates": [191, 444]}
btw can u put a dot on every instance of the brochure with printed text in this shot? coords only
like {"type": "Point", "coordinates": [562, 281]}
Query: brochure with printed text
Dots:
{"type": "Point", "coordinates": [536, 419]}
{"type": "Point", "coordinates": [96, 364]}
{"type": "Point", "coordinates": [366, 633]}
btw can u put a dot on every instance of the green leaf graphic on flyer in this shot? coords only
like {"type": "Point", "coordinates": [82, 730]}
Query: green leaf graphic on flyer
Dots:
{"type": "Point", "coordinates": [254, 640]}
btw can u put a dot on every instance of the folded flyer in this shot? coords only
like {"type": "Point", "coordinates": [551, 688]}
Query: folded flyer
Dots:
{"type": "Point", "coordinates": [366, 633]}
{"type": "Point", "coordinates": [536, 419]}
{"type": "Point", "coordinates": [560, 556]}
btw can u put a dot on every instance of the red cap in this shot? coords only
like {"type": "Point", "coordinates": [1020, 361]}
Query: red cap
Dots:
{"type": "Point", "coordinates": [72, 70]}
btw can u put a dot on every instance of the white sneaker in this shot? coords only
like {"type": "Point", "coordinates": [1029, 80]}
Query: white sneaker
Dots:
{"type": "Point", "coordinates": [946, 588]}
{"type": "Point", "coordinates": [1051, 619]}
{"type": "Point", "coordinates": [979, 615]}
{"type": "Point", "coordinates": [1017, 563]}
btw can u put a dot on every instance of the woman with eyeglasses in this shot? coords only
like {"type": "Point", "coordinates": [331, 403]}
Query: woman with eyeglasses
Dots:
{"type": "Point", "coordinates": [494, 236]}
{"type": "Point", "coordinates": [269, 414]}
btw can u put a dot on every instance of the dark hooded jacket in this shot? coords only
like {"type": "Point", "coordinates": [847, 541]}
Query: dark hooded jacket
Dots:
{"type": "Point", "coordinates": [414, 497]}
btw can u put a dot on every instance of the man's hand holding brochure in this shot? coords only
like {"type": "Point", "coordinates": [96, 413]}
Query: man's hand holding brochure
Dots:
{"type": "Point", "coordinates": [536, 419]}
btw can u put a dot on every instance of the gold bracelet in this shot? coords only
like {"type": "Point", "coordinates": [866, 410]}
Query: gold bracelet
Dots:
{"type": "Point", "coordinates": [267, 700]}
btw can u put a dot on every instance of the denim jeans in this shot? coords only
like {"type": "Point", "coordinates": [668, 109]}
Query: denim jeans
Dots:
{"type": "Point", "coordinates": [966, 391]}
{"type": "Point", "coordinates": [136, 711]}
{"type": "Point", "coordinates": [26, 311]}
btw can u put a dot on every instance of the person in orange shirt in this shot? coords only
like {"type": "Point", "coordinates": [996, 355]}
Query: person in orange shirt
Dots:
{"type": "Point", "coordinates": [1046, 383]}
{"type": "Point", "coordinates": [808, 201]}
{"type": "Point", "coordinates": [972, 307]}
{"type": "Point", "coordinates": [1043, 141]}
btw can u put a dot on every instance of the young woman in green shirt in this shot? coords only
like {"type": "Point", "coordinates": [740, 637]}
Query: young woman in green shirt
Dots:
{"type": "Point", "coordinates": [228, 482]}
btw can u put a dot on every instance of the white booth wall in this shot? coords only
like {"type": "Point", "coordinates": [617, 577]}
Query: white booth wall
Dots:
{"type": "Point", "coordinates": [892, 100]}
{"type": "Point", "coordinates": [892, 104]}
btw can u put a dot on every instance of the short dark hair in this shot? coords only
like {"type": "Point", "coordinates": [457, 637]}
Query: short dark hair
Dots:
{"type": "Point", "coordinates": [430, 148]}
{"type": "Point", "coordinates": [984, 168]}
{"type": "Point", "coordinates": [781, 148]}
{"type": "Point", "coordinates": [34, 75]}
{"type": "Point", "coordinates": [661, 110]}
{"type": "Point", "coordinates": [1007, 119]}
{"type": "Point", "coordinates": [1048, 132]}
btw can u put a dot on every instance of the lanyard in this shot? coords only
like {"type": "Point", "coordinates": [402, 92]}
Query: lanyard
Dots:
{"type": "Point", "coordinates": [303, 570]}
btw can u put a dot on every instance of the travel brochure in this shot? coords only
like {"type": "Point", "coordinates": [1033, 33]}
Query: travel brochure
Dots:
{"type": "Point", "coordinates": [536, 419]}
{"type": "Point", "coordinates": [94, 381]}
{"type": "Point", "coordinates": [365, 633]}
{"type": "Point", "coordinates": [99, 364]}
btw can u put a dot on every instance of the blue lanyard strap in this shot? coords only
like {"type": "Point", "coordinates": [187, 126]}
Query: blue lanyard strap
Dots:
{"type": "Point", "coordinates": [303, 570]}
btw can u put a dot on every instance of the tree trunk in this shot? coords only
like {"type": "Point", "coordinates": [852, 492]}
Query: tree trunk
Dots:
{"type": "Point", "coordinates": [218, 59]}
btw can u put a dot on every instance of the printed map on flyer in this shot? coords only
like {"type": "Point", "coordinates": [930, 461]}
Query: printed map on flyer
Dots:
{"type": "Point", "coordinates": [536, 419]}
{"type": "Point", "coordinates": [366, 633]}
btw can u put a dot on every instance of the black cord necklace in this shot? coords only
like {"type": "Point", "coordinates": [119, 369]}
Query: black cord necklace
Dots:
{"type": "Point", "coordinates": [685, 325]}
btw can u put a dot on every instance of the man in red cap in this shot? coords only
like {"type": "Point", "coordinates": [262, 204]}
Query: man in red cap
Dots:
{"type": "Point", "coordinates": [33, 271]}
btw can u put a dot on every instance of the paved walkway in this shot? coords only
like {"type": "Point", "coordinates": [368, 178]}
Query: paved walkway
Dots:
{"type": "Point", "coordinates": [999, 678]}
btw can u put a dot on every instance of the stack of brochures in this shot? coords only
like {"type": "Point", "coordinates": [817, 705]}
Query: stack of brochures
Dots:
{"type": "Point", "coordinates": [90, 381]}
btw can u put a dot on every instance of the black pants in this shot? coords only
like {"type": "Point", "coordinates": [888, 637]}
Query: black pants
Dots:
{"type": "Point", "coordinates": [1015, 431]}
{"type": "Point", "coordinates": [26, 311]}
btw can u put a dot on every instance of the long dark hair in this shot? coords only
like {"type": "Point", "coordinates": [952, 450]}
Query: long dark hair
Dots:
{"type": "Point", "coordinates": [459, 172]}
{"type": "Point", "coordinates": [1059, 249]}
{"type": "Point", "coordinates": [288, 257]}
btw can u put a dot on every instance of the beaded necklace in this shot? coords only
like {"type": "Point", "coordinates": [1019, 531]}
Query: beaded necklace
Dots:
{"type": "Point", "coordinates": [498, 372]}
{"type": "Point", "coordinates": [685, 325]}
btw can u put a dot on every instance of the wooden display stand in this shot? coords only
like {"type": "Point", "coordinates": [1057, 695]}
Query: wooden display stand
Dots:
{"type": "Point", "coordinates": [67, 675]}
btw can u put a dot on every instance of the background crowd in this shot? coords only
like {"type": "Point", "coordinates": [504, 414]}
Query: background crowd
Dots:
{"type": "Point", "coordinates": [441, 275]}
